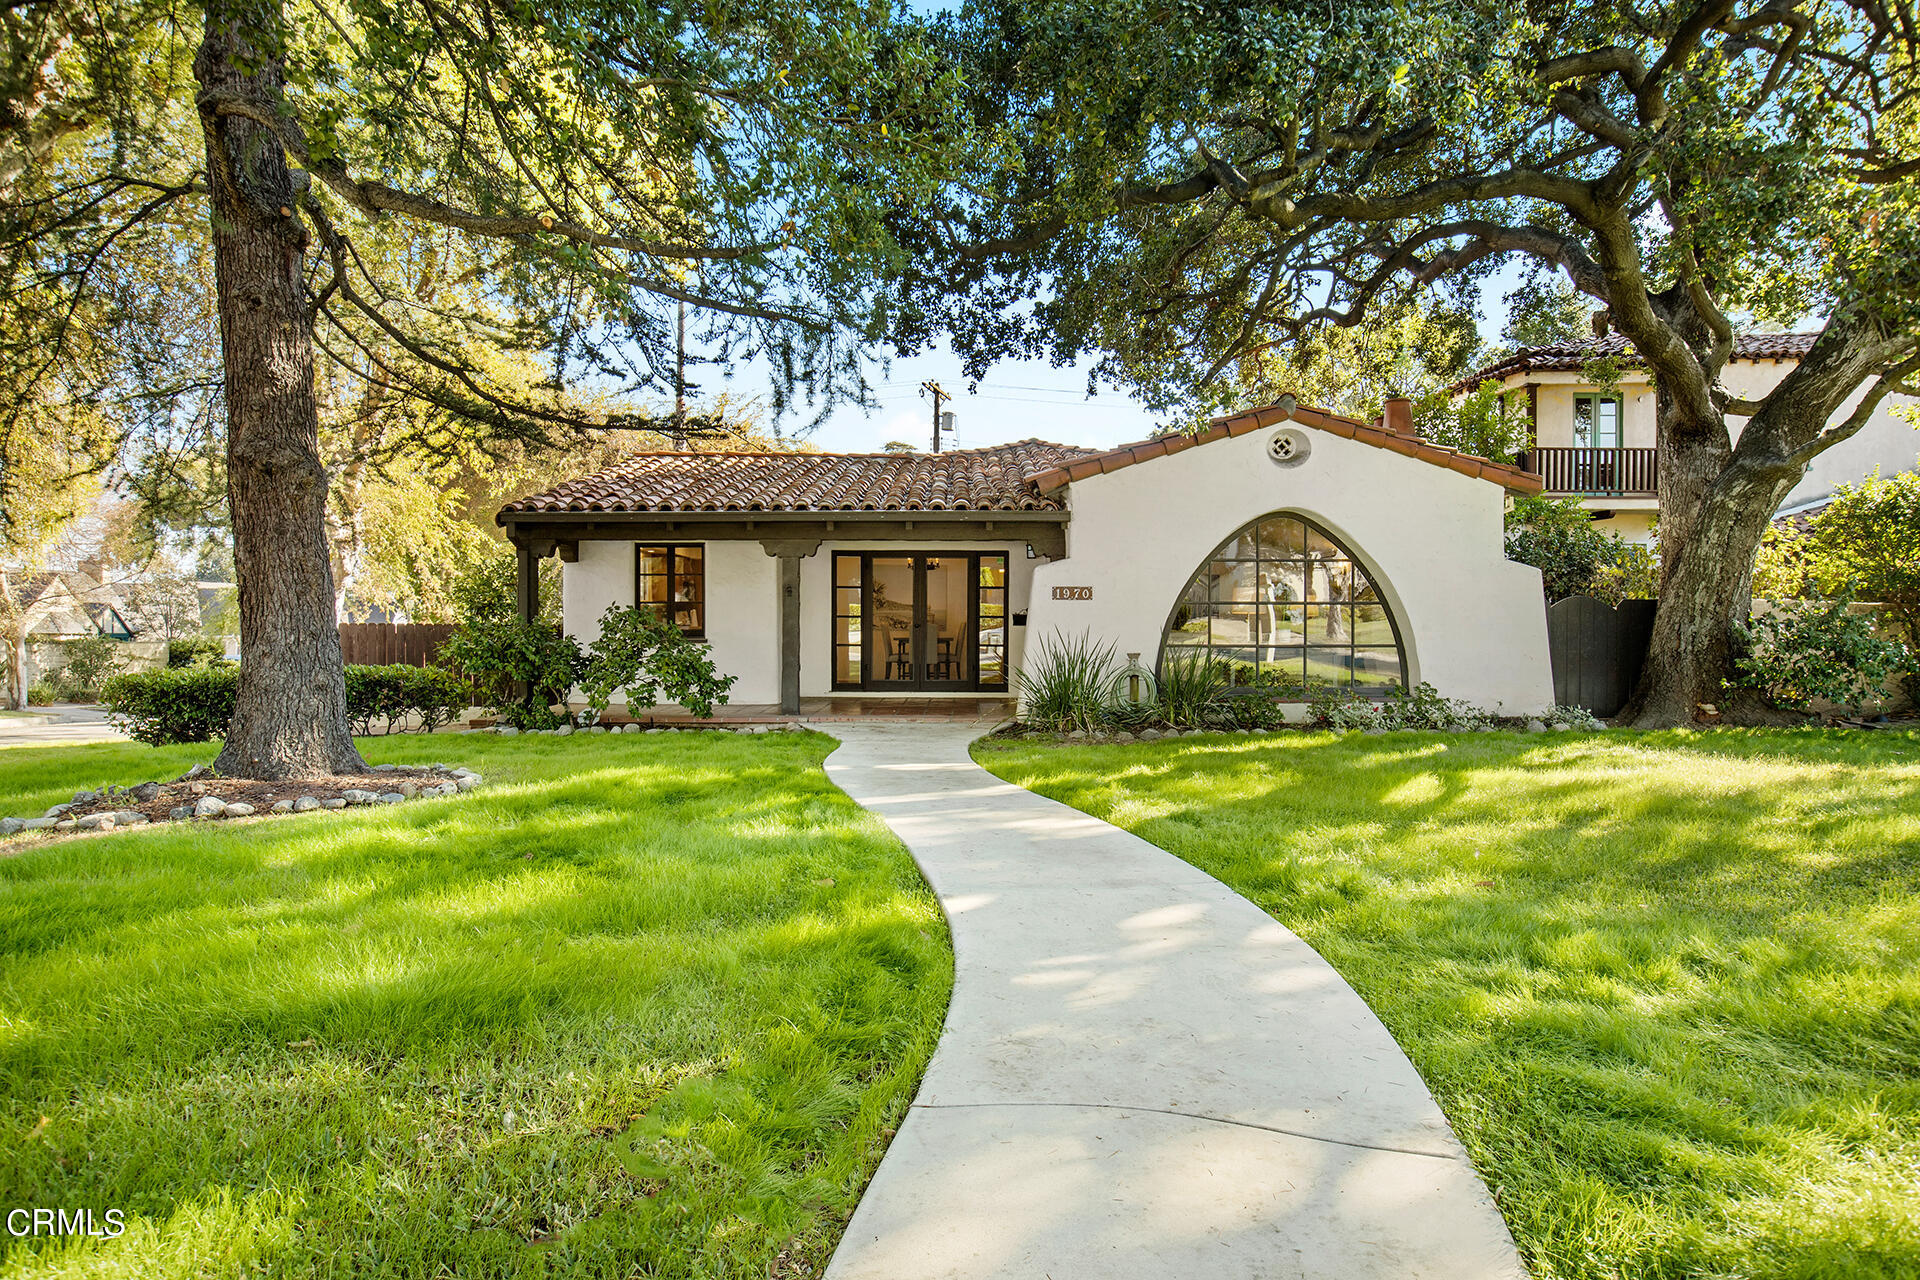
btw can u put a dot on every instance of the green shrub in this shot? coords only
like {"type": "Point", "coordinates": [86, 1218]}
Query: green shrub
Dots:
{"type": "Point", "coordinates": [190, 651]}
{"type": "Point", "coordinates": [1424, 708]}
{"type": "Point", "coordinates": [1421, 708]}
{"type": "Point", "coordinates": [394, 694]}
{"type": "Point", "coordinates": [1804, 651]}
{"type": "Point", "coordinates": [1256, 710]}
{"type": "Point", "coordinates": [1066, 685]}
{"type": "Point", "coordinates": [1343, 710]}
{"type": "Point", "coordinates": [195, 704]}
{"type": "Point", "coordinates": [41, 693]}
{"type": "Point", "coordinates": [1557, 537]}
{"type": "Point", "coordinates": [177, 704]}
{"type": "Point", "coordinates": [643, 655]}
{"type": "Point", "coordinates": [520, 669]}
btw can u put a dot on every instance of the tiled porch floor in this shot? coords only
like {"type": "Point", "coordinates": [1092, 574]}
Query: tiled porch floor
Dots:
{"type": "Point", "coordinates": [985, 712]}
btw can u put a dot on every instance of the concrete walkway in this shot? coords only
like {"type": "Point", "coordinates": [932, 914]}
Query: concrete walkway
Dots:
{"type": "Point", "coordinates": [1142, 1074]}
{"type": "Point", "coordinates": [63, 724]}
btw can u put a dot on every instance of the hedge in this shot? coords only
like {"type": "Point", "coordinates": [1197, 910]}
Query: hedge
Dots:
{"type": "Point", "coordinates": [175, 704]}
{"type": "Point", "coordinates": [195, 704]}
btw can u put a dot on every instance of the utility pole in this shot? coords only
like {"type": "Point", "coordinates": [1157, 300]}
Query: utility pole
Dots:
{"type": "Point", "coordinates": [939, 397]}
{"type": "Point", "coordinates": [680, 382]}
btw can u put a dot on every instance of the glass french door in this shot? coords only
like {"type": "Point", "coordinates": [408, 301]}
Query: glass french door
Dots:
{"type": "Point", "coordinates": [927, 621]}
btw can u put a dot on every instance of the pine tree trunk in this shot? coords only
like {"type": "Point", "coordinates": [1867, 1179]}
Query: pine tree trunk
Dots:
{"type": "Point", "coordinates": [1714, 508]}
{"type": "Point", "coordinates": [290, 715]}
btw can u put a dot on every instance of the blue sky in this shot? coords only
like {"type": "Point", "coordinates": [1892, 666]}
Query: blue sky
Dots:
{"type": "Point", "coordinates": [1023, 399]}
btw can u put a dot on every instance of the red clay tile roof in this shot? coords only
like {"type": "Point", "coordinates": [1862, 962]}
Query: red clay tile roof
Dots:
{"type": "Point", "coordinates": [1566, 356]}
{"type": "Point", "coordinates": [964, 480]}
{"type": "Point", "coordinates": [1273, 415]}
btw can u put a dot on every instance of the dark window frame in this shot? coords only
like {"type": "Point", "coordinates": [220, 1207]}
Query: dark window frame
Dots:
{"type": "Point", "coordinates": [864, 557]}
{"type": "Point", "coordinates": [1346, 552]}
{"type": "Point", "coordinates": [672, 550]}
{"type": "Point", "coordinates": [1597, 398]}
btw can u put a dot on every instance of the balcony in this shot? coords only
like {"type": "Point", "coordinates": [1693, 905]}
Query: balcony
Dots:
{"type": "Point", "coordinates": [1595, 473]}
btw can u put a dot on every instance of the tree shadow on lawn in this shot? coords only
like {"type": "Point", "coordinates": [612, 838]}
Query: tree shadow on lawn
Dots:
{"type": "Point", "coordinates": [1667, 995]}
{"type": "Point", "coordinates": [416, 1034]}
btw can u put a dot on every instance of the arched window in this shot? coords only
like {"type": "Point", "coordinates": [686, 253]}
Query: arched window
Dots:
{"type": "Point", "coordinates": [1282, 606]}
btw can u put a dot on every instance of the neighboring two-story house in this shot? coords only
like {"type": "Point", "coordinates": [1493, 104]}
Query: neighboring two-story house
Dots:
{"type": "Point", "coordinates": [1598, 446]}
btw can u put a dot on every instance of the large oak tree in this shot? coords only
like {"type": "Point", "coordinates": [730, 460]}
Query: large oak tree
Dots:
{"type": "Point", "coordinates": [588, 167]}
{"type": "Point", "coordinates": [1190, 182]}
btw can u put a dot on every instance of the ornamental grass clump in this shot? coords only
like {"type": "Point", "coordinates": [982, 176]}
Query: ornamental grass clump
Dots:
{"type": "Point", "coordinates": [1193, 692]}
{"type": "Point", "coordinates": [1066, 684]}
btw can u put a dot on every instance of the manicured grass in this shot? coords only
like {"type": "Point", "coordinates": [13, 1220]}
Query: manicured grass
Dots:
{"type": "Point", "coordinates": [640, 1006]}
{"type": "Point", "coordinates": [1666, 987]}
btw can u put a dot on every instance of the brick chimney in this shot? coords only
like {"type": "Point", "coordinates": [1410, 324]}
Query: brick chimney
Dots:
{"type": "Point", "coordinates": [1398, 417]}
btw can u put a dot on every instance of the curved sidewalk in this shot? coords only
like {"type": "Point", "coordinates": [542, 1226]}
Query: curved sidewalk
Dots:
{"type": "Point", "coordinates": [1142, 1074]}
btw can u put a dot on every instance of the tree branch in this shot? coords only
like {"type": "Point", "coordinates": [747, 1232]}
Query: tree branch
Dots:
{"type": "Point", "coordinates": [374, 198]}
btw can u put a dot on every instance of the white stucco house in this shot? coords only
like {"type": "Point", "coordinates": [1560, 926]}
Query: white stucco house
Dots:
{"type": "Point", "coordinates": [1301, 548]}
{"type": "Point", "coordinates": [1599, 446]}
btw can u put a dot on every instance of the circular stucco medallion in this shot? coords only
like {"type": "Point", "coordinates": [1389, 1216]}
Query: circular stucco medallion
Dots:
{"type": "Point", "coordinates": [1289, 447]}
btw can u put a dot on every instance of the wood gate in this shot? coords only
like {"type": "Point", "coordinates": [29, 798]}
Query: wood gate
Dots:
{"type": "Point", "coordinates": [1597, 651]}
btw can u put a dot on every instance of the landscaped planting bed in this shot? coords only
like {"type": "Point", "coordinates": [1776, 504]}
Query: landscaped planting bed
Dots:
{"type": "Point", "coordinates": [202, 795]}
{"type": "Point", "coordinates": [647, 1005]}
{"type": "Point", "coordinates": [1665, 986]}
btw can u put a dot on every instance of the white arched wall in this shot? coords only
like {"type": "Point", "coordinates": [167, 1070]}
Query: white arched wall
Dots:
{"type": "Point", "coordinates": [1473, 622]}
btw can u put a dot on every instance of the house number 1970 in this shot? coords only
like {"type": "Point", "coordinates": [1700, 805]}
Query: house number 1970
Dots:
{"type": "Point", "coordinates": [1073, 593]}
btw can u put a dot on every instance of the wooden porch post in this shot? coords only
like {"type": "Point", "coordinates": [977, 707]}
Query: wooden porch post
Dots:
{"type": "Point", "coordinates": [526, 592]}
{"type": "Point", "coordinates": [789, 553]}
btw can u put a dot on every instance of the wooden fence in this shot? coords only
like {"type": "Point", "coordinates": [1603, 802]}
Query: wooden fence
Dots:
{"type": "Point", "coordinates": [381, 644]}
{"type": "Point", "coordinates": [1597, 651]}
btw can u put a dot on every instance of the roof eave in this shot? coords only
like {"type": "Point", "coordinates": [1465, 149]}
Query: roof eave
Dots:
{"type": "Point", "coordinates": [810, 515]}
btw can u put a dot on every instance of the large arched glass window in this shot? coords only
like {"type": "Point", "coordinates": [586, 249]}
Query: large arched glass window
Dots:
{"type": "Point", "coordinates": [1282, 606]}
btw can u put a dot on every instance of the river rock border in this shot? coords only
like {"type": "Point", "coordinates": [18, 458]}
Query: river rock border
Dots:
{"type": "Point", "coordinates": [414, 782]}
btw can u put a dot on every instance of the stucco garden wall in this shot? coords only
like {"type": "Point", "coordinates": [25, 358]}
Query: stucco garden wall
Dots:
{"type": "Point", "coordinates": [1474, 623]}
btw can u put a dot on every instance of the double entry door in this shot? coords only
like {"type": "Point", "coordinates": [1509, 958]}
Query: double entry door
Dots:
{"type": "Point", "coordinates": [933, 621]}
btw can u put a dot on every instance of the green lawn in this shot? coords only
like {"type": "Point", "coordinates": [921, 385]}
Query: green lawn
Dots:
{"type": "Point", "coordinates": [640, 1006]}
{"type": "Point", "coordinates": [1666, 987]}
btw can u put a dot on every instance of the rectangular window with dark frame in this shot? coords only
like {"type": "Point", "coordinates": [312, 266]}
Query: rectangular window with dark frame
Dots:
{"type": "Point", "coordinates": [673, 580]}
{"type": "Point", "coordinates": [1596, 421]}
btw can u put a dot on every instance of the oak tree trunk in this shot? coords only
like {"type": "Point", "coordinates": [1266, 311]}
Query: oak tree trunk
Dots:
{"type": "Point", "coordinates": [290, 714]}
{"type": "Point", "coordinates": [1714, 507]}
